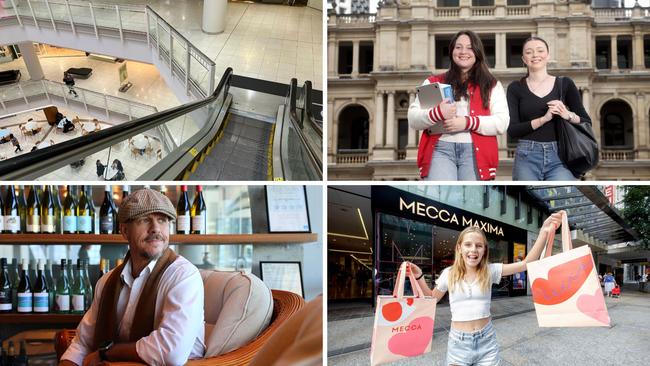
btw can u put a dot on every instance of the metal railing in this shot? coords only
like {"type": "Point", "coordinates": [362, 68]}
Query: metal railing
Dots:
{"type": "Point", "coordinates": [187, 63]}
{"type": "Point", "coordinates": [24, 93]}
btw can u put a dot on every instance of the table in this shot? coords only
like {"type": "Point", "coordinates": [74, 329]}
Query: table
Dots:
{"type": "Point", "coordinates": [89, 127]}
{"type": "Point", "coordinates": [140, 142]}
{"type": "Point", "coordinates": [31, 125]}
{"type": "Point", "coordinates": [4, 133]}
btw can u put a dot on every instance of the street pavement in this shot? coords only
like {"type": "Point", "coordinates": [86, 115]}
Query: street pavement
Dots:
{"type": "Point", "coordinates": [521, 340]}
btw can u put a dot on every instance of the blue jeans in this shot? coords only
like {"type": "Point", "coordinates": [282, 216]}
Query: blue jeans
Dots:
{"type": "Point", "coordinates": [539, 161]}
{"type": "Point", "coordinates": [478, 348]}
{"type": "Point", "coordinates": [452, 161]}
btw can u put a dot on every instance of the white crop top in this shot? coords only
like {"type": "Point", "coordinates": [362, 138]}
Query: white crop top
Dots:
{"type": "Point", "coordinates": [471, 303]}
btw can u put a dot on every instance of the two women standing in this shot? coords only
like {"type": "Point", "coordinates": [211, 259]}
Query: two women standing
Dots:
{"type": "Point", "coordinates": [459, 137]}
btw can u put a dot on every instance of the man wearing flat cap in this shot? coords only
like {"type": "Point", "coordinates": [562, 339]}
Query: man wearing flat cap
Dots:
{"type": "Point", "coordinates": [149, 309]}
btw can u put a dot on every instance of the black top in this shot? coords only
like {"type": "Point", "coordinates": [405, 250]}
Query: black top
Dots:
{"type": "Point", "coordinates": [525, 106]}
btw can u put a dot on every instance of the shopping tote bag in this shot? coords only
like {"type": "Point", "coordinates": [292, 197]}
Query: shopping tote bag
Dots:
{"type": "Point", "coordinates": [565, 286]}
{"type": "Point", "coordinates": [403, 324]}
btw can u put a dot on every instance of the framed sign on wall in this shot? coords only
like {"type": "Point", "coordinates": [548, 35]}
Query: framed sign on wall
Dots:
{"type": "Point", "coordinates": [287, 210]}
{"type": "Point", "coordinates": [285, 276]}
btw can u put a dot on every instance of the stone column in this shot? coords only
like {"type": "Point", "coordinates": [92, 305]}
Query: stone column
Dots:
{"type": "Point", "coordinates": [614, 53]}
{"type": "Point", "coordinates": [332, 145]}
{"type": "Point", "coordinates": [641, 127]}
{"type": "Point", "coordinates": [501, 51]}
{"type": "Point", "coordinates": [586, 101]}
{"type": "Point", "coordinates": [355, 59]}
{"type": "Point", "coordinates": [391, 125]}
{"type": "Point", "coordinates": [214, 16]}
{"type": "Point", "coordinates": [637, 51]}
{"type": "Point", "coordinates": [412, 145]}
{"type": "Point", "coordinates": [30, 58]}
{"type": "Point", "coordinates": [419, 46]}
{"type": "Point", "coordinates": [379, 119]}
{"type": "Point", "coordinates": [331, 57]}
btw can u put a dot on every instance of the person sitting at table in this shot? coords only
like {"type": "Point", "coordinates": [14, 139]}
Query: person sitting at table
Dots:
{"type": "Point", "coordinates": [100, 168]}
{"type": "Point", "coordinates": [14, 141]}
{"type": "Point", "coordinates": [33, 130]}
{"type": "Point", "coordinates": [119, 174]}
{"type": "Point", "coordinates": [65, 124]}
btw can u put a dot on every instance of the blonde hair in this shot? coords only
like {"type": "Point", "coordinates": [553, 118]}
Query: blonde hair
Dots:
{"type": "Point", "coordinates": [458, 269]}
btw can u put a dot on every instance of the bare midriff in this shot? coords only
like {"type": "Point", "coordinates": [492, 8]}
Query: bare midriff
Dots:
{"type": "Point", "coordinates": [470, 325]}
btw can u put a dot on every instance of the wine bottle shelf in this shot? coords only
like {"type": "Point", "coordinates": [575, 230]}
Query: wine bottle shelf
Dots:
{"type": "Point", "coordinates": [214, 239]}
{"type": "Point", "coordinates": [31, 318]}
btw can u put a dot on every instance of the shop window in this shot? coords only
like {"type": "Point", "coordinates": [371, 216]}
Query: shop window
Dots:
{"type": "Point", "coordinates": [486, 197]}
{"type": "Point", "coordinates": [529, 214]}
{"type": "Point", "coordinates": [514, 48]}
{"type": "Point", "coordinates": [518, 2]}
{"type": "Point", "coordinates": [646, 51]}
{"type": "Point", "coordinates": [345, 58]}
{"type": "Point", "coordinates": [624, 52]}
{"type": "Point", "coordinates": [540, 218]}
{"type": "Point", "coordinates": [448, 3]}
{"type": "Point", "coordinates": [482, 2]}
{"type": "Point", "coordinates": [442, 52]}
{"type": "Point", "coordinates": [603, 53]}
{"type": "Point", "coordinates": [617, 126]}
{"type": "Point", "coordinates": [365, 57]}
{"type": "Point", "coordinates": [353, 129]}
{"type": "Point", "coordinates": [503, 200]}
{"type": "Point", "coordinates": [518, 206]}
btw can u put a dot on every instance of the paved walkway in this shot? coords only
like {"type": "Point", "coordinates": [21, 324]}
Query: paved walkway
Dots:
{"type": "Point", "coordinates": [522, 341]}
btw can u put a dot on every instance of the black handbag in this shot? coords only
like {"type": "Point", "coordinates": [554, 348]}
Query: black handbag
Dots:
{"type": "Point", "coordinates": [577, 145]}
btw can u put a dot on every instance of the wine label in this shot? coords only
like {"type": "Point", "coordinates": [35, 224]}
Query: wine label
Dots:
{"type": "Point", "coordinates": [62, 302]}
{"type": "Point", "coordinates": [78, 303]}
{"type": "Point", "coordinates": [182, 224]}
{"type": "Point", "coordinates": [24, 302]}
{"type": "Point", "coordinates": [5, 300]}
{"type": "Point", "coordinates": [70, 224]}
{"type": "Point", "coordinates": [11, 223]}
{"type": "Point", "coordinates": [84, 224]}
{"type": "Point", "coordinates": [41, 302]}
{"type": "Point", "coordinates": [106, 223]}
{"type": "Point", "coordinates": [34, 224]}
{"type": "Point", "coordinates": [2, 222]}
{"type": "Point", "coordinates": [47, 224]}
{"type": "Point", "coordinates": [198, 223]}
{"type": "Point", "coordinates": [5, 306]}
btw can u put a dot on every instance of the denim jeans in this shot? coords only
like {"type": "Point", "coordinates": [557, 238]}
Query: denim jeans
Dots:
{"type": "Point", "coordinates": [478, 348]}
{"type": "Point", "coordinates": [538, 161]}
{"type": "Point", "coordinates": [452, 161]}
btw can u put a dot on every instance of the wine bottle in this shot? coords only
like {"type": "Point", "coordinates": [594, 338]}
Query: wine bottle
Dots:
{"type": "Point", "coordinates": [84, 213]}
{"type": "Point", "coordinates": [40, 291]}
{"type": "Point", "coordinates": [49, 277]}
{"type": "Point", "coordinates": [21, 359]}
{"type": "Point", "coordinates": [125, 193]}
{"type": "Point", "coordinates": [198, 212]}
{"type": "Point", "coordinates": [22, 207]}
{"type": "Point", "coordinates": [78, 292]}
{"type": "Point", "coordinates": [107, 213]}
{"type": "Point", "coordinates": [11, 211]}
{"type": "Point", "coordinates": [5, 288]}
{"type": "Point", "coordinates": [2, 221]}
{"type": "Point", "coordinates": [11, 353]}
{"type": "Point", "coordinates": [183, 212]}
{"type": "Point", "coordinates": [88, 288]}
{"type": "Point", "coordinates": [24, 291]}
{"type": "Point", "coordinates": [33, 212]}
{"type": "Point", "coordinates": [58, 209]}
{"type": "Point", "coordinates": [69, 213]}
{"type": "Point", "coordinates": [47, 212]}
{"type": "Point", "coordinates": [14, 272]}
{"type": "Point", "coordinates": [62, 294]}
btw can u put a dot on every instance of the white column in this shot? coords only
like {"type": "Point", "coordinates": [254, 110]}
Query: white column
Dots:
{"type": "Point", "coordinates": [379, 119]}
{"type": "Point", "coordinates": [614, 53]}
{"type": "Point", "coordinates": [331, 57]}
{"type": "Point", "coordinates": [501, 51]}
{"type": "Point", "coordinates": [30, 58]}
{"type": "Point", "coordinates": [411, 135]}
{"type": "Point", "coordinates": [333, 129]}
{"type": "Point", "coordinates": [355, 59]}
{"type": "Point", "coordinates": [390, 121]}
{"type": "Point", "coordinates": [586, 100]}
{"type": "Point", "coordinates": [637, 51]}
{"type": "Point", "coordinates": [214, 16]}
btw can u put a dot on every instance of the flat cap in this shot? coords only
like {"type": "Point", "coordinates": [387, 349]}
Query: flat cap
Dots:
{"type": "Point", "coordinates": [143, 202]}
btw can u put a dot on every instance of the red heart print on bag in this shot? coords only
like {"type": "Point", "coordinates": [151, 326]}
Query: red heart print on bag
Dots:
{"type": "Point", "coordinates": [563, 281]}
{"type": "Point", "coordinates": [413, 339]}
{"type": "Point", "coordinates": [594, 306]}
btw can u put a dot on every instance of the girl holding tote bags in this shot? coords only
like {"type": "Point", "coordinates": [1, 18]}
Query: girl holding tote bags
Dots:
{"type": "Point", "coordinates": [472, 338]}
{"type": "Point", "coordinates": [537, 104]}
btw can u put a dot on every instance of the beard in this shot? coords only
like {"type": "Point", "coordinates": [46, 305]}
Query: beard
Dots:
{"type": "Point", "coordinates": [145, 254]}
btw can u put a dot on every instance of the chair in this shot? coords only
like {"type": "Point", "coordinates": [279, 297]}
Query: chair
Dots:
{"type": "Point", "coordinates": [23, 130]}
{"type": "Point", "coordinates": [220, 285]}
{"type": "Point", "coordinates": [159, 154]}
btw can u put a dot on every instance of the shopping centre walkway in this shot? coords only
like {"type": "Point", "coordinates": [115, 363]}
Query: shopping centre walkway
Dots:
{"type": "Point", "coordinates": [522, 341]}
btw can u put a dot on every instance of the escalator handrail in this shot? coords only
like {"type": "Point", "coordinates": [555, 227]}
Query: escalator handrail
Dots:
{"type": "Point", "coordinates": [78, 148]}
{"type": "Point", "coordinates": [308, 108]}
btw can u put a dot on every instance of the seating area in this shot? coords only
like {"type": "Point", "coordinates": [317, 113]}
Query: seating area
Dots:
{"type": "Point", "coordinates": [80, 72]}
{"type": "Point", "coordinates": [9, 77]}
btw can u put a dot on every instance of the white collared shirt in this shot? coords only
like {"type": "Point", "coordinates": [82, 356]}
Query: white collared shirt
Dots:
{"type": "Point", "coordinates": [178, 324]}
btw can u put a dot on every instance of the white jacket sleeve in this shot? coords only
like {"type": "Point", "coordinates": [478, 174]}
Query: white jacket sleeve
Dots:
{"type": "Point", "coordinates": [497, 122]}
{"type": "Point", "coordinates": [422, 119]}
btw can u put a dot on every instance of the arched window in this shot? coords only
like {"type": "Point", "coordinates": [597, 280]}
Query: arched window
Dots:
{"type": "Point", "coordinates": [353, 128]}
{"type": "Point", "coordinates": [617, 125]}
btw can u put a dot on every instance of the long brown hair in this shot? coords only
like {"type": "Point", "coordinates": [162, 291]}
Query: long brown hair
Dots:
{"type": "Point", "coordinates": [458, 269]}
{"type": "Point", "coordinates": [531, 38]}
{"type": "Point", "coordinates": [478, 75]}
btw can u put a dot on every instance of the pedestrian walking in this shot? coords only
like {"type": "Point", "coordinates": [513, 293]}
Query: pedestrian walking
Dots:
{"type": "Point", "coordinates": [472, 337]}
{"type": "Point", "coordinates": [610, 282]}
{"type": "Point", "coordinates": [69, 81]}
{"type": "Point", "coordinates": [14, 142]}
{"type": "Point", "coordinates": [642, 281]}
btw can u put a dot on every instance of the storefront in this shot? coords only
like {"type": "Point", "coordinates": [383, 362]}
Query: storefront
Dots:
{"type": "Point", "coordinates": [423, 231]}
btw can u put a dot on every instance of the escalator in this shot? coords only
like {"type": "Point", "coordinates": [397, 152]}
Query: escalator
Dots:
{"type": "Point", "coordinates": [247, 129]}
